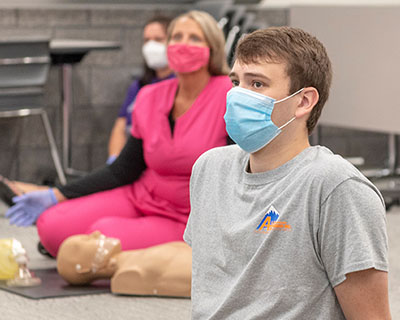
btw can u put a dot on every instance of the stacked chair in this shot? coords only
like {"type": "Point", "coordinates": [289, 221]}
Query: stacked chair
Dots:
{"type": "Point", "coordinates": [24, 66]}
{"type": "Point", "coordinates": [233, 19]}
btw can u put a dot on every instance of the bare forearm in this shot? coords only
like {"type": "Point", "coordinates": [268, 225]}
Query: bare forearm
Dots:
{"type": "Point", "coordinates": [117, 138]}
{"type": "Point", "coordinates": [364, 295]}
{"type": "Point", "coordinates": [59, 196]}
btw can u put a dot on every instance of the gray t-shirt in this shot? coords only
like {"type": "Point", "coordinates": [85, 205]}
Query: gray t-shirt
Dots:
{"type": "Point", "coordinates": [273, 245]}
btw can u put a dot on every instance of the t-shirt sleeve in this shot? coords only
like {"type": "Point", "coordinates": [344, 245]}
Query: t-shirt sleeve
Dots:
{"type": "Point", "coordinates": [352, 234]}
{"type": "Point", "coordinates": [187, 235]}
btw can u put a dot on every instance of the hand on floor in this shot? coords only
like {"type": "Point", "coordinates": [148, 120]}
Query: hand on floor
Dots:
{"type": "Point", "coordinates": [29, 206]}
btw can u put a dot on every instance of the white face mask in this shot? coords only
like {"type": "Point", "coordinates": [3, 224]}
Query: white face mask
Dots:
{"type": "Point", "coordinates": [155, 54]}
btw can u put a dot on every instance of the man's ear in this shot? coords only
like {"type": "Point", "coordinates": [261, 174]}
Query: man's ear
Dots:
{"type": "Point", "coordinates": [310, 97]}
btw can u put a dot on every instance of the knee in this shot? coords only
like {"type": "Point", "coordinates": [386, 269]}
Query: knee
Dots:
{"type": "Point", "coordinates": [47, 221]}
{"type": "Point", "coordinates": [104, 225]}
{"type": "Point", "coordinates": [50, 230]}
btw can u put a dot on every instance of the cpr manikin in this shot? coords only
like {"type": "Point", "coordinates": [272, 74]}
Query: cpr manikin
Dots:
{"type": "Point", "coordinates": [13, 265]}
{"type": "Point", "coordinates": [163, 270]}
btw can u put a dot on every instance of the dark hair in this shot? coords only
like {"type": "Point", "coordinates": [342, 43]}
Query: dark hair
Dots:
{"type": "Point", "coordinates": [148, 73]}
{"type": "Point", "coordinates": [307, 62]}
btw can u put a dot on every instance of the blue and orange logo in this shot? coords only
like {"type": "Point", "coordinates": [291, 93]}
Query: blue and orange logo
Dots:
{"type": "Point", "coordinates": [270, 222]}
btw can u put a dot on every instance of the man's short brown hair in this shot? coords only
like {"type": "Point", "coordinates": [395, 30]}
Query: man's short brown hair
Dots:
{"type": "Point", "coordinates": [307, 61]}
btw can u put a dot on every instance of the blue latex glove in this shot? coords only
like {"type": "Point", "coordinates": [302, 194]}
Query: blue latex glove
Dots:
{"type": "Point", "coordinates": [29, 206]}
{"type": "Point", "coordinates": [111, 159]}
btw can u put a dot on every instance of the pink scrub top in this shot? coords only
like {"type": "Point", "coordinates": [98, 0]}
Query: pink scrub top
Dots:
{"type": "Point", "coordinates": [163, 188]}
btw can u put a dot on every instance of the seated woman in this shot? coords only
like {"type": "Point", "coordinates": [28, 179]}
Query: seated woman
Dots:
{"type": "Point", "coordinates": [163, 270]}
{"type": "Point", "coordinates": [156, 69]}
{"type": "Point", "coordinates": [142, 198]}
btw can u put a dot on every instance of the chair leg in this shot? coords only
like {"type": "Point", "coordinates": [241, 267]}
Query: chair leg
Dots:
{"type": "Point", "coordinates": [16, 154]}
{"type": "Point", "coordinates": [53, 147]}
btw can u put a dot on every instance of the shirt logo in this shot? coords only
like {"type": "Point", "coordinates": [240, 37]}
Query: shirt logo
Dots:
{"type": "Point", "coordinates": [270, 222]}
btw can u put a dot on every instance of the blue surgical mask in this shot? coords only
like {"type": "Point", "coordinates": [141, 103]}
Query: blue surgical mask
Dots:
{"type": "Point", "coordinates": [248, 118]}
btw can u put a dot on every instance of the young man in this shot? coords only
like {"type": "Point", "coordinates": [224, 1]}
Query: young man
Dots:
{"type": "Point", "coordinates": [279, 229]}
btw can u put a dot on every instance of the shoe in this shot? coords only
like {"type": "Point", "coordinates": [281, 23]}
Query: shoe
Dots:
{"type": "Point", "coordinates": [6, 194]}
{"type": "Point", "coordinates": [43, 250]}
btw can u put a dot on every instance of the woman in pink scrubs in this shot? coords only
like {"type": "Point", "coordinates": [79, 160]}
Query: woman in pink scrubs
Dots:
{"type": "Point", "coordinates": [143, 197]}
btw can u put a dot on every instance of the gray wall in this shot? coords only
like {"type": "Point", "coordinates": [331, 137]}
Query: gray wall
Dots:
{"type": "Point", "coordinates": [100, 83]}
{"type": "Point", "coordinates": [364, 48]}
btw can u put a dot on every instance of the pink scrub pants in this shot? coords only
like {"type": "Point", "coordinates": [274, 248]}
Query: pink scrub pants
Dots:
{"type": "Point", "coordinates": [111, 212]}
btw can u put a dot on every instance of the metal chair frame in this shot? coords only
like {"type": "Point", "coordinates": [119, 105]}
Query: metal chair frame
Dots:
{"type": "Point", "coordinates": [26, 87]}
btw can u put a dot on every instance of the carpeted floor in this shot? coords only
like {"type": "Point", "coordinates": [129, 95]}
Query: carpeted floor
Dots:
{"type": "Point", "coordinates": [108, 306]}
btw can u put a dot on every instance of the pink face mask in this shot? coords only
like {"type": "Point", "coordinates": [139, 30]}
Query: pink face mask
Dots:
{"type": "Point", "coordinates": [184, 58]}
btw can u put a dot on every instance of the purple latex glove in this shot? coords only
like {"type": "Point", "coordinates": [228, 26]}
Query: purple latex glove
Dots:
{"type": "Point", "coordinates": [29, 206]}
{"type": "Point", "coordinates": [111, 159]}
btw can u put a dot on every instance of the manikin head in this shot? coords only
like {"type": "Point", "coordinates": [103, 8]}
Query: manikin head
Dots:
{"type": "Point", "coordinates": [82, 259]}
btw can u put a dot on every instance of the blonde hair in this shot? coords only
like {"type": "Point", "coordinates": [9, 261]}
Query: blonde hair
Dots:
{"type": "Point", "coordinates": [214, 37]}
